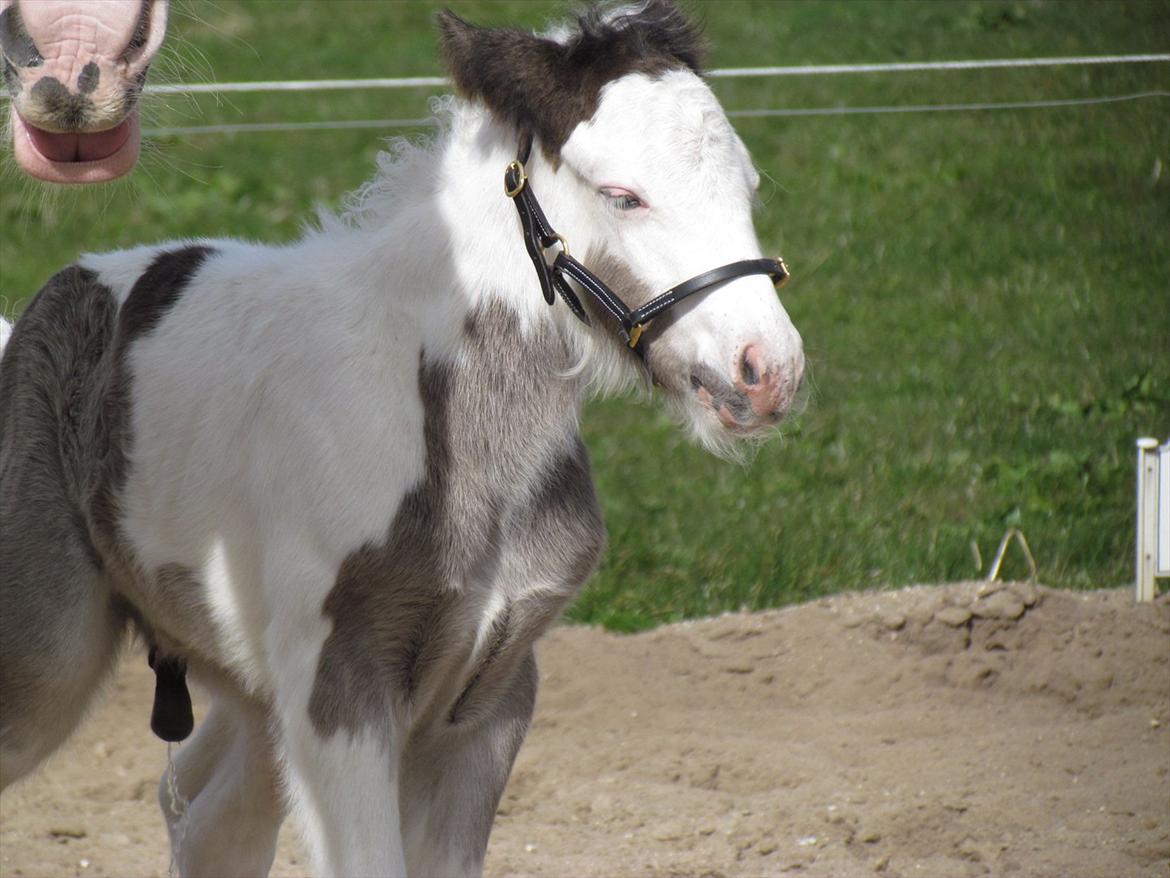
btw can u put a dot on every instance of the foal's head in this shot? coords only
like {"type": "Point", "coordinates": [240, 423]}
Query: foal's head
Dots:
{"type": "Point", "coordinates": [654, 181]}
{"type": "Point", "coordinates": [74, 70]}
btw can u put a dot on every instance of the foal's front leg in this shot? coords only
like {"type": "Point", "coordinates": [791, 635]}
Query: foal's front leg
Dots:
{"type": "Point", "coordinates": [454, 774]}
{"type": "Point", "coordinates": [346, 790]}
{"type": "Point", "coordinates": [342, 775]}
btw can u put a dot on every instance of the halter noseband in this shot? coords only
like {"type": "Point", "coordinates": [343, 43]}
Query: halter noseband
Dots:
{"type": "Point", "coordinates": [539, 236]}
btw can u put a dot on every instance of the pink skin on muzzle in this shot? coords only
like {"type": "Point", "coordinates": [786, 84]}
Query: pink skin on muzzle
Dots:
{"type": "Point", "coordinates": [97, 52]}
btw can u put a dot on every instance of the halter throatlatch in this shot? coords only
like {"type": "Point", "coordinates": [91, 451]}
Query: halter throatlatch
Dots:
{"type": "Point", "coordinates": [539, 237]}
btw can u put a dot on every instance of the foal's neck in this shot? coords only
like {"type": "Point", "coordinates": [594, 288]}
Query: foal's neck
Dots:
{"type": "Point", "coordinates": [434, 243]}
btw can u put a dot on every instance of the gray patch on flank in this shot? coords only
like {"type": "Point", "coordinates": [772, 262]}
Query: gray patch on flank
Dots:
{"type": "Point", "coordinates": [405, 612]}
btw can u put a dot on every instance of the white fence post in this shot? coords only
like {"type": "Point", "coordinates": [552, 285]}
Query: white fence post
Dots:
{"type": "Point", "coordinates": [1153, 516]}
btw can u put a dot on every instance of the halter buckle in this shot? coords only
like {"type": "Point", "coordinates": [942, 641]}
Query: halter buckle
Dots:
{"type": "Point", "coordinates": [783, 280]}
{"type": "Point", "coordinates": [521, 178]}
{"type": "Point", "coordinates": [635, 335]}
{"type": "Point", "coordinates": [559, 239]}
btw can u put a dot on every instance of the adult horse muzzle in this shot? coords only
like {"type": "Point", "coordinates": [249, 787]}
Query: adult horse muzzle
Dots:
{"type": "Point", "coordinates": [539, 237]}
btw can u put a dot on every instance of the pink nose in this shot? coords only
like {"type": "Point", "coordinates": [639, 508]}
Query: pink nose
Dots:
{"type": "Point", "coordinates": [769, 387]}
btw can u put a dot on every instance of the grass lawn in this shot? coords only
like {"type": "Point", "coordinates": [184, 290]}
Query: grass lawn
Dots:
{"type": "Point", "coordinates": [984, 296]}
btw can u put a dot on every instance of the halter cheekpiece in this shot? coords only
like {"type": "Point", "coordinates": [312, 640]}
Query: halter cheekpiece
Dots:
{"type": "Point", "coordinates": [539, 236]}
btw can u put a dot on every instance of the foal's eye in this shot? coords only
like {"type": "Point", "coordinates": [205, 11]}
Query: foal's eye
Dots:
{"type": "Point", "coordinates": [622, 199]}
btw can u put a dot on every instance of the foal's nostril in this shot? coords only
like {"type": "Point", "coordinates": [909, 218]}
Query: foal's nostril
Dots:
{"type": "Point", "coordinates": [695, 382]}
{"type": "Point", "coordinates": [747, 368]}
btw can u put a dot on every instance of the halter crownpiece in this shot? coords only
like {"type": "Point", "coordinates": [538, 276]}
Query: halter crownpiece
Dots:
{"type": "Point", "coordinates": [539, 237]}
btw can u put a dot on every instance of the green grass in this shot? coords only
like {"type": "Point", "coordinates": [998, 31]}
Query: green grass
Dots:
{"type": "Point", "coordinates": [984, 296]}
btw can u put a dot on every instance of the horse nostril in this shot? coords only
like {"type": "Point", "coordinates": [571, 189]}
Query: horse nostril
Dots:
{"type": "Point", "coordinates": [87, 82]}
{"type": "Point", "coordinates": [751, 375]}
{"type": "Point", "coordinates": [695, 382]}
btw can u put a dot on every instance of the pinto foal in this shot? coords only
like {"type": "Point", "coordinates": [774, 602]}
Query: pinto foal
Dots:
{"type": "Point", "coordinates": [341, 482]}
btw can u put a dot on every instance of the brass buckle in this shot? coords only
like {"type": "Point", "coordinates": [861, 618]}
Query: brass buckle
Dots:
{"type": "Point", "coordinates": [521, 179]}
{"type": "Point", "coordinates": [560, 239]}
{"type": "Point", "coordinates": [782, 282]}
{"type": "Point", "coordinates": [636, 334]}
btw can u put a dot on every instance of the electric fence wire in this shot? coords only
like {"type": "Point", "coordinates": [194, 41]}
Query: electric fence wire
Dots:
{"type": "Point", "coordinates": [722, 73]}
{"type": "Point", "coordinates": [259, 127]}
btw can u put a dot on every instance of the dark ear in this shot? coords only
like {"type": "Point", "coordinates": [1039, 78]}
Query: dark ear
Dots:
{"type": "Point", "coordinates": [516, 74]}
{"type": "Point", "coordinates": [656, 32]}
{"type": "Point", "coordinates": [547, 87]}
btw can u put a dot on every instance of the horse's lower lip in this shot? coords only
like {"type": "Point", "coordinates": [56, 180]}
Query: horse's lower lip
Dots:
{"type": "Point", "coordinates": [94, 157]}
{"type": "Point", "coordinates": [79, 146]}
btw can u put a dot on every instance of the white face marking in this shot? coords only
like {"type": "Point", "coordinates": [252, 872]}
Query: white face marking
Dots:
{"type": "Point", "coordinates": [730, 356]}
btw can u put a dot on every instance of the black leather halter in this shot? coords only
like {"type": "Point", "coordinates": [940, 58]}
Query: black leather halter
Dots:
{"type": "Point", "coordinates": [539, 236]}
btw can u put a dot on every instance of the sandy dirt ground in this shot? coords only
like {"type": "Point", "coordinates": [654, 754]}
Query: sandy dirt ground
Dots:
{"type": "Point", "coordinates": [937, 731]}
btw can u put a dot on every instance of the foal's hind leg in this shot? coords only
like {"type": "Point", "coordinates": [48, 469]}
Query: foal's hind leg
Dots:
{"type": "Point", "coordinates": [227, 775]}
{"type": "Point", "coordinates": [59, 634]}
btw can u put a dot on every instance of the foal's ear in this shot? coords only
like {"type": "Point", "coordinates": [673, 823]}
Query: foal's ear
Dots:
{"type": "Point", "coordinates": [549, 87]}
{"type": "Point", "coordinates": [515, 73]}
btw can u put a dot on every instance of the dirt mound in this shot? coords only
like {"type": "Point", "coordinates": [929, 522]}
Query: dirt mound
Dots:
{"type": "Point", "coordinates": [941, 731]}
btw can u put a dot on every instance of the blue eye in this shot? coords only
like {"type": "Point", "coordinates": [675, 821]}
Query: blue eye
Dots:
{"type": "Point", "coordinates": [621, 199]}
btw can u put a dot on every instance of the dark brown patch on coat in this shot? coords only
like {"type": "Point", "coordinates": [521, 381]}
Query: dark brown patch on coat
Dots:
{"type": "Point", "coordinates": [405, 612]}
{"type": "Point", "coordinates": [158, 289]}
{"type": "Point", "coordinates": [154, 293]}
{"type": "Point", "coordinates": [546, 87]}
